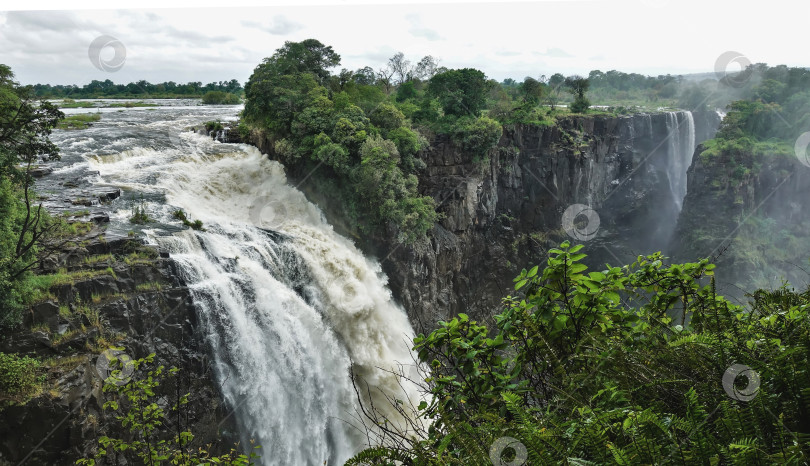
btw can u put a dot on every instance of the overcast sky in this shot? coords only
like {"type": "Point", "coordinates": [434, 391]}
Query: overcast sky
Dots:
{"type": "Point", "coordinates": [502, 39]}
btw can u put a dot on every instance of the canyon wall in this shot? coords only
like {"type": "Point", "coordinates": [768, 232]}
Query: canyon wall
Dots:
{"type": "Point", "coordinates": [747, 212]}
{"type": "Point", "coordinates": [505, 212]}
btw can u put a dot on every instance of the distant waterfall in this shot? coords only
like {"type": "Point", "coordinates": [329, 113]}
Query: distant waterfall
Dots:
{"type": "Point", "coordinates": [681, 146]}
{"type": "Point", "coordinates": [289, 307]}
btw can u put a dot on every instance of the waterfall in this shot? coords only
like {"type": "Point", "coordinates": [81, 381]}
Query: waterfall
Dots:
{"type": "Point", "coordinates": [681, 146]}
{"type": "Point", "coordinates": [288, 307]}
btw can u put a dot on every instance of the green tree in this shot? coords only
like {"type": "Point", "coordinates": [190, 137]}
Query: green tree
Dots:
{"type": "Point", "coordinates": [25, 124]}
{"type": "Point", "coordinates": [308, 56]}
{"type": "Point", "coordinates": [387, 117]}
{"type": "Point", "coordinates": [532, 91]}
{"type": "Point", "coordinates": [555, 86]}
{"type": "Point", "coordinates": [273, 101]}
{"type": "Point", "coordinates": [406, 91]}
{"type": "Point", "coordinates": [460, 92]}
{"type": "Point", "coordinates": [578, 86]}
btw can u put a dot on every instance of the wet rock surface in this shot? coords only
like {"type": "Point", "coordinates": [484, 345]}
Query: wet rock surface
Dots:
{"type": "Point", "coordinates": [107, 291]}
{"type": "Point", "coordinates": [505, 213]}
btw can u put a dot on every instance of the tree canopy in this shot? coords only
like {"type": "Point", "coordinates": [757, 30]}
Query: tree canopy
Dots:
{"type": "Point", "coordinates": [25, 124]}
{"type": "Point", "coordinates": [460, 92]}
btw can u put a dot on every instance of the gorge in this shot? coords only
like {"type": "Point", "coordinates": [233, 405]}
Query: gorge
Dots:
{"type": "Point", "coordinates": [287, 308]}
{"type": "Point", "coordinates": [631, 170]}
{"type": "Point", "coordinates": [217, 249]}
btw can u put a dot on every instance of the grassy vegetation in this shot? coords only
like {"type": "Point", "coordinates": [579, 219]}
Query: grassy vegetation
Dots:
{"type": "Point", "coordinates": [213, 125]}
{"type": "Point", "coordinates": [20, 378]}
{"type": "Point", "coordinates": [151, 286]}
{"type": "Point", "coordinates": [146, 256]}
{"type": "Point", "coordinates": [129, 104]}
{"type": "Point", "coordinates": [42, 283]}
{"type": "Point", "coordinates": [70, 103]}
{"type": "Point", "coordinates": [194, 225]}
{"type": "Point", "coordinates": [139, 215]}
{"type": "Point", "coordinates": [99, 258]}
{"type": "Point", "coordinates": [80, 121]}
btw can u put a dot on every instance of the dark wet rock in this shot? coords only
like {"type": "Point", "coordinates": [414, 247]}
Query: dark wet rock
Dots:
{"type": "Point", "coordinates": [39, 172]}
{"type": "Point", "coordinates": [85, 202]}
{"type": "Point", "coordinates": [99, 217]}
{"type": "Point", "coordinates": [109, 194]}
{"type": "Point", "coordinates": [137, 304]}
{"type": "Point", "coordinates": [505, 213]}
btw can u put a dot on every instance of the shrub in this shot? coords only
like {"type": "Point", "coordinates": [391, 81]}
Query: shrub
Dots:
{"type": "Point", "coordinates": [220, 98]}
{"type": "Point", "coordinates": [194, 225]}
{"type": "Point", "coordinates": [213, 126]}
{"type": "Point", "coordinates": [640, 364]}
{"type": "Point", "coordinates": [580, 105]}
{"type": "Point", "coordinates": [139, 215]}
{"type": "Point", "coordinates": [142, 412]}
{"type": "Point", "coordinates": [18, 375]}
{"type": "Point", "coordinates": [477, 135]}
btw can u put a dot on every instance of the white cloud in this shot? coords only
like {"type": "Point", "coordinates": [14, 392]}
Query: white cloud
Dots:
{"type": "Point", "coordinates": [502, 39]}
{"type": "Point", "coordinates": [417, 29]}
{"type": "Point", "coordinates": [279, 25]}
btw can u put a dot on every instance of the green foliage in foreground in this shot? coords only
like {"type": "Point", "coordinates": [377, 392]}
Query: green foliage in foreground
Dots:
{"type": "Point", "coordinates": [138, 411]}
{"type": "Point", "coordinates": [629, 365]}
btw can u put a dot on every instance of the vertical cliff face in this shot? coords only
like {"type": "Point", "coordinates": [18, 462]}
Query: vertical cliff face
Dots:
{"type": "Point", "coordinates": [505, 213]}
{"type": "Point", "coordinates": [747, 213]}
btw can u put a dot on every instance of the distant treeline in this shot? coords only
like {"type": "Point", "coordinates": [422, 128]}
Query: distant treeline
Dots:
{"type": "Point", "coordinates": [141, 89]}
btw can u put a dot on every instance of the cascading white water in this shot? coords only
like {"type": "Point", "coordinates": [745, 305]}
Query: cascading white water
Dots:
{"type": "Point", "coordinates": [289, 307]}
{"type": "Point", "coordinates": [680, 148]}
